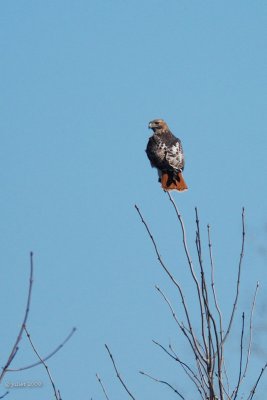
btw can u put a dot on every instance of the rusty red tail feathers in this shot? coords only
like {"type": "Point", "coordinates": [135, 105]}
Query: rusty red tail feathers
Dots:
{"type": "Point", "coordinates": [171, 182]}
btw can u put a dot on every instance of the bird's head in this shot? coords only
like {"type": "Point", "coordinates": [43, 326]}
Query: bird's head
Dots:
{"type": "Point", "coordinates": [158, 126]}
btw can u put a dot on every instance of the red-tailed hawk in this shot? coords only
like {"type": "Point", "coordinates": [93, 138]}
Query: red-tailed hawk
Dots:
{"type": "Point", "coordinates": [165, 153]}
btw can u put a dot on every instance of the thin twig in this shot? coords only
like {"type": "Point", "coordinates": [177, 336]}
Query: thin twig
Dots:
{"type": "Point", "coordinates": [235, 392]}
{"type": "Point", "coordinates": [26, 314]}
{"type": "Point", "coordinates": [44, 364]}
{"type": "Point", "coordinates": [117, 373]}
{"type": "Point", "coordinates": [226, 376]}
{"type": "Point", "coordinates": [164, 382]}
{"type": "Point", "coordinates": [102, 386]}
{"type": "Point", "coordinates": [213, 284]}
{"type": "Point", "coordinates": [48, 356]}
{"type": "Point", "coordinates": [250, 330]}
{"type": "Point", "coordinates": [238, 277]}
{"type": "Point", "coordinates": [4, 395]}
{"type": "Point", "coordinates": [170, 306]}
{"type": "Point", "coordinates": [251, 395]}
{"type": "Point", "coordinates": [203, 291]}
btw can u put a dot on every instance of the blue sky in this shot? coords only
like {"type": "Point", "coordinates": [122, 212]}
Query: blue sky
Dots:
{"type": "Point", "coordinates": [79, 83]}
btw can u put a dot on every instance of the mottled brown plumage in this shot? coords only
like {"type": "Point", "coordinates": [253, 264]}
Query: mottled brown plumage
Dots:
{"type": "Point", "coordinates": [165, 153]}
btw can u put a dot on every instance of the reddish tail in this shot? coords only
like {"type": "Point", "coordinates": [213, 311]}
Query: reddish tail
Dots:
{"type": "Point", "coordinates": [171, 182]}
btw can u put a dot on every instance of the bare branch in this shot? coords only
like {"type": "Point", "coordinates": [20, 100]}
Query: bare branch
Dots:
{"type": "Point", "coordinates": [117, 373]}
{"type": "Point", "coordinates": [44, 364]}
{"type": "Point", "coordinates": [4, 395]}
{"type": "Point", "coordinates": [238, 277]}
{"type": "Point", "coordinates": [48, 356]}
{"type": "Point", "coordinates": [26, 314]}
{"type": "Point", "coordinates": [164, 382]}
{"type": "Point", "coordinates": [102, 386]}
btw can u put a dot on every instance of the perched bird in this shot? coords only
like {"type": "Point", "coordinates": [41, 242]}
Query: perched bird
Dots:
{"type": "Point", "coordinates": [165, 153]}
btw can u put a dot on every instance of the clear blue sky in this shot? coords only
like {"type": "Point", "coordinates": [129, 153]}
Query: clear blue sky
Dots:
{"type": "Point", "coordinates": [79, 82]}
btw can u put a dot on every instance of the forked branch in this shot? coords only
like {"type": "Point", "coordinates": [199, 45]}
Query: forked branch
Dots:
{"type": "Point", "coordinates": [56, 392]}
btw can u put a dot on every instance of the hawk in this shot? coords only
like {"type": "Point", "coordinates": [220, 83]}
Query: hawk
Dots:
{"type": "Point", "coordinates": [165, 153]}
